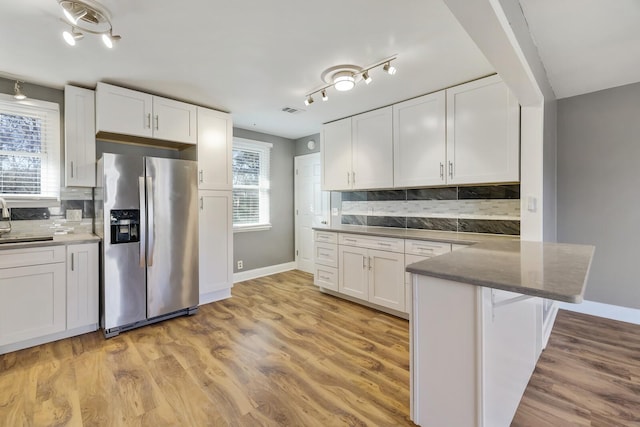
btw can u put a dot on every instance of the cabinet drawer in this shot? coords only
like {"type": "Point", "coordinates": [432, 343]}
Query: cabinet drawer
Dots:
{"type": "Point", "coordinates": [326, 254]}
{"type": "Point", "coordinates": [426, 248]}
{"type": "Point", "coordinates": [326, 237]}
{"type": "Point", "coordinates": [381, 243]}
{"type": "Point", "coordinates": [32, 256]}
{"type": "Point", "coordinates": [326, 277]}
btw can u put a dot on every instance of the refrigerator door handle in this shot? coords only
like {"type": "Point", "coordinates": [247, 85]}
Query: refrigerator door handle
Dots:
{"type": "Point", "coordinates": [151, 228]}
{"type": "Point", "coordinates": [143, 221]}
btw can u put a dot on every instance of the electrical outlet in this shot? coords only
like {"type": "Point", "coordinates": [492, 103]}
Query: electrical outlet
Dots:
{"type": "Point", "coordinates": [240, 265]}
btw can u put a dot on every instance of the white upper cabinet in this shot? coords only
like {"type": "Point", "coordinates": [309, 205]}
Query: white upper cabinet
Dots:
{"type": "Point", "coordinates": [336, 155]}
{"type": "Point", "coordinates": [483, 133]}
{"type": "Point", "coordinates": [357, 152]}
{"type": "Point", "coordinates": [419, 141]}
{"type": "Point", "coordinates": [79, 137]}
{"type": "Point", "coordinates": [215, 133]}
{"type": "Point", "coordinates": [372, 149]}
{"type": "Point", "coordinates": [129, 112]}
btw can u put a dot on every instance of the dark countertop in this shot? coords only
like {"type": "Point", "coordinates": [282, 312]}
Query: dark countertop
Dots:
{"type": "Point", "coordinates": [549, 270]}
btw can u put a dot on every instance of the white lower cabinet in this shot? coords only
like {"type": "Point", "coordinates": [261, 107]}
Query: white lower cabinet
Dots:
{"type": "Point", "coordinates": [353, 273]}
{"type": "Point", "coordinates": [216, 245]}
{"type": "Point", "coordinates": [386, 279]}
{"type": "Point", "coordinates": [47, 293]}
{"type": "Point", "coordinates": [82, 285]}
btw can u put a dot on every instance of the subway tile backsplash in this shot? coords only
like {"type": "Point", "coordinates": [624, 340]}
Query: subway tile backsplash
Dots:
{"type": "Point", "coordinates": [479, 209]}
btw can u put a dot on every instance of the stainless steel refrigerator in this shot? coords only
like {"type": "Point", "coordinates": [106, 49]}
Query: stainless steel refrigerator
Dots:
{"type": "Point", "coordinates": [146, 212]}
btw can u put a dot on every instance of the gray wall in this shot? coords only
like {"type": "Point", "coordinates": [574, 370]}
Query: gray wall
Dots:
{"type": "Point", "coordinates": [301, 145]}
{"type": "Point", "coordinates": [275, 246]}
{"type": "Point", "coordinates": [598, 187]}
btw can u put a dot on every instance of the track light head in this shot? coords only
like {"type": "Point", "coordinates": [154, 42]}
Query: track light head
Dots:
{"type": "Point", "coordinates": [389, 68]}
{"type": "Point", "coordinates": [72, 36]}
{"type": "Point", "coordinates": [109, 39]}
{"type": "Point", "coordinates": [17, 91]}
{"type": "Point", "coordinates": [366, 77]}
{"type": "Point", "coordinates": [73, 15]}
{"type": "Point", "coordinates": [309, 100]}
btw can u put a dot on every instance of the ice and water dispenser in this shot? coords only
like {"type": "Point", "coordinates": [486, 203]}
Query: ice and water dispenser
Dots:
{"type": "Point", "coordinates": [125, 225]}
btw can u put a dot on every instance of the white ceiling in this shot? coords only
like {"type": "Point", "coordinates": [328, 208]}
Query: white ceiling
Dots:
{"type": "Point", "coordinates": [251, 58]}
{"type": "Point", "coordinates": [586, 45]}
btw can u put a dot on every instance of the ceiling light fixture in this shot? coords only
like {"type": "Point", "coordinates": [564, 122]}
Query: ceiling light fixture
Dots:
{"type": "Point", "coordinates": [344, 77]}
{"type": "Point", "coordinates": [87, 16]}
{"type": "Point", "coordinates": [17, 91]}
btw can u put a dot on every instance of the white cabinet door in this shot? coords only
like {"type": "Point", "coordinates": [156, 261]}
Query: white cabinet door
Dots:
{"type": "Point", "coordinates": [216, 241]}
{"type": "Point", "coordinates": [372, 149]}
{"type": "Point", "coordinates": [353, 272]}
{"type": "Point", "coordinates": [483, 133]}
{"type": "Point", "coordinates": [79, 137]}
{"type": "Point", "coordinates": [419, 141]}
{"type": "Point", "coordinates": [215, 131]}
{"type": "Point", "coordinates": [335, 147]}
{"type": "Point", "coordinates": [82, 285]}
{"type": "Point", "coordinates": [32, 302]}
{"type": "Point", "coordinates": [174, 120]}
{"type": "Point", "coordinates": [386, 279]}
{"type": "Point", "coordinates": [123, 111]}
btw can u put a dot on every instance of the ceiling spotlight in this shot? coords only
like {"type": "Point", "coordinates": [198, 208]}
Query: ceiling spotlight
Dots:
{"type": "Point", "coordinates": [308, 101]}
{"type": "Point", "coordinates": [324, 95]}
{"type": "Point", "coordinates": [344, 81]}
{"type": "Point", "coordinates": [389, 68]}
{"type": "Point", "coordinates": [110, 39]}
{"type": "Point", "coordinates": [71, 36]}
{"type": "Point", "coordinates": [366, 77]}
{"type": "Point", "coordinates": [17, 91]}
{"type": "Point", "coordinates": [72, 13]}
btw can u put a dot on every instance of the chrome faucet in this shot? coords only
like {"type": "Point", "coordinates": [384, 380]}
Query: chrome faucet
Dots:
{"type": "Point", "coordinates": [5, 218]}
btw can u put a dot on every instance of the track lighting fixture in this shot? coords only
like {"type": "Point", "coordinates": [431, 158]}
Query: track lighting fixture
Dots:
{"type": "Point", "coordinates": [389, 68]}
{"type": "Point", "coordinates": [344, 77]}
{"type": "Point", "coordinates": [17, 91]}
{"type": "Point", "coordinates": [87, 16]}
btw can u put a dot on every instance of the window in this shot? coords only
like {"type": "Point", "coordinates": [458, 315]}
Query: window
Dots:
{"type": "Point", "coordinates": [29, 149]}
{"type": "Point", "coordinates": [251, 164]}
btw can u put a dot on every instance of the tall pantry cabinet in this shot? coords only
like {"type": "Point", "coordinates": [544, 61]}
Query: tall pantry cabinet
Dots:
{"type": "Point", "coordinates": [215, 136]}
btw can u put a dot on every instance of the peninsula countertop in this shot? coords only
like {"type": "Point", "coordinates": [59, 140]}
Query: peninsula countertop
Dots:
{"type": "Point", "coordinates": [58, 239]}
{"type": "Point", "coordinates": [556, 271]}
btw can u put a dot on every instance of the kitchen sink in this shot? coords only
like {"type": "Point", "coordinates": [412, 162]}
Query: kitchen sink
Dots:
{"type": "Point", "coordinates": [24, 239]}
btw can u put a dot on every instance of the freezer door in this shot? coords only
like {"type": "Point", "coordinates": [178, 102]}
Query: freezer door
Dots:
{"type": "Point", "coordinates": [172, 237]}
{"type": "Point", "coordinates": [123, 271]}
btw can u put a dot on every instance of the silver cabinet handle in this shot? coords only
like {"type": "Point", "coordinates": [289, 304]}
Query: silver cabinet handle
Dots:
{"type": "Point", "coordinates": [201, 176]}
{"type": "Point", "coordinates": [143, 223]}
{"type": "Point", "coordinates": [364, 263]}
{"type": "Point", "coordinates": [450, 169]}
{"type": "Point", "coordinates": [323, 222]}
{"type": "Point", "coordinates": [369, 263]}
{"type": "Point", "coordinates": [157, 122]}
{"type": "Point", "coordinates": [72, 169]}
{"type": "Point", "coordinates": [72, 262]}
{"type": "Point", "coordinates": [353, 178]}
{"type": "Point", "coordinates": [348, 178]}
{"type": "Point", "coordinates": [149, 120]}
{"type": "Point", "coordinates": [441, 170]}
{"type": "Point", "coordinates": [201, 203]}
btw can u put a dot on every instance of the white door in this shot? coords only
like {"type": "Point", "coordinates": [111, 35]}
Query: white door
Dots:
{"type": "Point", "coordinates": [386, 279]}
{"type": "Point", "coordinates": [335, 146]}
{"type": "Point", "coordinates": [123, 111]}
{"type": "Point", "coordinates": [311, 207]}
{"type": "Point", "coordinates": [372, 149]}
{"type": "Point", "coordinates": [216, 242]}
{"type": "Point", "coordinates": [353, 271]}
{"type": "Point", "coordinates": [174, 120]}
{"type": "Point", "coordinates": [214, 150]}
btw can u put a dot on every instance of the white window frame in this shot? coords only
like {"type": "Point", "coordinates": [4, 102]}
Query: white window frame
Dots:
{"type": "Point", "coordinates": [264, 150]}
{"type": "Point", "coordinates": [50, 164]}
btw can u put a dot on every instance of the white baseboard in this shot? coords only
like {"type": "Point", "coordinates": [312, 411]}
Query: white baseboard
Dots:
{"type": "Point", "coordinates": [215, 296]}
{"type": "Point", "coordinates": [264, 271]}
{"type": "Point", "coordinates": [608, 311]}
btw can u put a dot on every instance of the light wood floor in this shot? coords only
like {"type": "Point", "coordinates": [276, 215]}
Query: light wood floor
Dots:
{"type": "Point", "coordinates": [280, 353]}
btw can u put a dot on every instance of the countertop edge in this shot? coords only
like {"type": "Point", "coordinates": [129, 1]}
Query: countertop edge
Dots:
{"type": "Point", "coordinates": [58, 240]}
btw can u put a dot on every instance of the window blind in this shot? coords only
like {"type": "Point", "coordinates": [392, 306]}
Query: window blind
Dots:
{"type": "Point", "coordinates": [29, 149]}
{"type": "Point", "coordinates": [251, 183]}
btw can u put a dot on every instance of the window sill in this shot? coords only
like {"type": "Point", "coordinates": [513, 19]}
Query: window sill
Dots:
{"type": "Point", "coordinates": [257, 227]}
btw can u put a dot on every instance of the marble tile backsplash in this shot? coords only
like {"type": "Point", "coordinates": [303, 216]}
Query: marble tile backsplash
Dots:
{"type": "Point", "coordinates": [53, 219]}
{"type": "Point", "coordinates": [482, 209]}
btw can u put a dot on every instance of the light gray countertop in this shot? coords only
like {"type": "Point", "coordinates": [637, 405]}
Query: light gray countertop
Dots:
{"type": "Point", "coordinates": [549, 270]}
{"type": "Point", "coordinates": [58, 239]}
{"type": "Point", "coordinates": [404, 233]}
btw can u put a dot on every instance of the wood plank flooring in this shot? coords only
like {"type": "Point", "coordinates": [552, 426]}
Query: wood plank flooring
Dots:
{"type": "Point", "coordinates": [280, 353]}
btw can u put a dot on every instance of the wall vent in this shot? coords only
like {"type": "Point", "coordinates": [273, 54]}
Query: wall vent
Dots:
{"type": "Point", "coordinates": [292, 110]}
